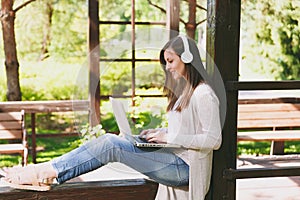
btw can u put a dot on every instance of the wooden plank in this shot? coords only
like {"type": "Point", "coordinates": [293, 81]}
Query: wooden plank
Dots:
{"type": "Point", "coordinates": [268, 115]}
{"type": "Point", "coordinates": [55, 135]}
{"type": "Point", "coordinates": [11, 148]}
{"type": "Point", "coordinates": [7, 125]}
{"type": "Point", "coordinates": [45, 106]}
{"type": "Point", "coordinates": [268, 123]}
{"type": "Point", "coordinates": [132, 189]}
{"type": "Point", "coordinates": [173, 18]}
{"type": "Point", "coordinates": [264, 85]}
{"type": "Point", "coordinates": [10, 134]}
{"type": "Point", "coordinates": [233, 174]}
{"type": "Point", "coordinates": [268, 107]}
{"type": "Point", "coordinates": [269, 100]}
{"type": "Point", "coordinates": [10, 116]}
{"type": "Point", "coordinates": [281, 135]}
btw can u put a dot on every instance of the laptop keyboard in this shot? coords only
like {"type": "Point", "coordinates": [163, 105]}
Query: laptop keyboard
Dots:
{"type": "Point", "coordinates": [139, 139]}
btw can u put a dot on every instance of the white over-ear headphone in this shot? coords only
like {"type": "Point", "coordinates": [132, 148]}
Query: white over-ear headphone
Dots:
{"type": "Point", "coordinates": [186, 56]}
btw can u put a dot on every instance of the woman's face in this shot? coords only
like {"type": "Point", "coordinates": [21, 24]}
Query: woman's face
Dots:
{"type": "Point", "coordinates": [174, 64]}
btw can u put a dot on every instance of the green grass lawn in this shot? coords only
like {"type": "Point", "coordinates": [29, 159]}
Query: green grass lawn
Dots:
{"type": "Point", "coordinates": [263, 148]}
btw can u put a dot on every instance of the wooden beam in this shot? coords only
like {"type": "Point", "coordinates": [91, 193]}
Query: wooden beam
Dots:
{"type": "Point", "coordinates": [262, 85]}
{"type": "Point", "coordinates": [133, 189]}
{"type": "Point", "coordinates": [94, 71]}
{"type": "Point", "coordinates": [223, 33]}
{"type": "Point", "coordinates": [233, 174]}
{"type": "Point", "coordinates": [44, 106]}
{"type": "Point", "coordinates": [173, 9]}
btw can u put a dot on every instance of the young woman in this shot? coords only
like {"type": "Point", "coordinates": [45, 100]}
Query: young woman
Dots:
{"type": "Point", "coordinates": [193, 122]}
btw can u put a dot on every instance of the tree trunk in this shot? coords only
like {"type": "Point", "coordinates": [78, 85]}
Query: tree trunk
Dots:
{"type": "Point", "coordinates": [190, 27]}
{"type": "Point", "coordinates": [47, 30]}
{"type": "Point", "coordinates": [10, 51]}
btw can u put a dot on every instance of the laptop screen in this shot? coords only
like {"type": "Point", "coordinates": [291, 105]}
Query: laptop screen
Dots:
{"type": "Point", "coordinates": [120, 115]}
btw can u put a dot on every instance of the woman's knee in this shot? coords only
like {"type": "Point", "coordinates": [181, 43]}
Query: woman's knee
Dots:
{"type": "Point", "coordinates": [110, 138]}
{"type": "Point", "coordinates": [111, 141]}
{"type": "Point", "coordinates": [106, 138]}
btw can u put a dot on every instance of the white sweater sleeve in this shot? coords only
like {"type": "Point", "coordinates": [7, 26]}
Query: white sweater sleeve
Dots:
{"type": "Point", "coordinates": [207, 119]}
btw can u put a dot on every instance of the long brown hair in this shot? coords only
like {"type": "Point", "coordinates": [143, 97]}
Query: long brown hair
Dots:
{"type": "Point", "coordinates": [182, 88]}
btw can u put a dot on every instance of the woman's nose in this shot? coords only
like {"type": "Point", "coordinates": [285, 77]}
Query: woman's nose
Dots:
{"type": "Point", "coordinates": [167, 66]}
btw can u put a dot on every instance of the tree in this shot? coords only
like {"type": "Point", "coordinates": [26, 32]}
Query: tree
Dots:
{"type": "Point", "coordinates": [271, 38]}
{"type": "Point", "coordinates": [46, 39]}
{"type": "Point", "coordinates": [289, 38]}
{"type": "Point", "coordinates": [9, 41]}
{"type": "Point", "coordinates": [190, 25]}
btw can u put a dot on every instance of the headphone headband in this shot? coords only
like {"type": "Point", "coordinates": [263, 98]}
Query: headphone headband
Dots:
{"type": "Point", "coordinates": [186, 56]}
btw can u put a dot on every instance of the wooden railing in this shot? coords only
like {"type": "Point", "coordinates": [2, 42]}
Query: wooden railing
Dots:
{"type": "Point", "coordinates": [34, 107]}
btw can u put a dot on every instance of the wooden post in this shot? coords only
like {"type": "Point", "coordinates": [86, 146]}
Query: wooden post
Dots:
{"type": "Point", "coordinates": [133, 52]}
{"type": "Point", "coordinates": [223, 29]}
{"type": "Point", "coordinates": [173, 9]}
{"type": "Point", "coordinates": [277, 148]}
{"type": "Point", "coordinates": [94, 71]}
{"type": "Point", "coordinates": [33, 138]}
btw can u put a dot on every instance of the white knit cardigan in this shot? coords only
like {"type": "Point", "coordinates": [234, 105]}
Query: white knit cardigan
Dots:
{"type": "Point", "coordinates": [198, 129]}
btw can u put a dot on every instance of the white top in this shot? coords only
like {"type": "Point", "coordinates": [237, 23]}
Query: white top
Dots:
{"type": "Point", "coordinates": [198, 129]}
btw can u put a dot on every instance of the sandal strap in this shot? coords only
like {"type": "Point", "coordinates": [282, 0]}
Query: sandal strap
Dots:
{"type": "Point", "coordinates": [35, 179]}
{"type": "Point", "coordinates": [40, 181]}
{"type": "Point", "coordinates": [46, 181]}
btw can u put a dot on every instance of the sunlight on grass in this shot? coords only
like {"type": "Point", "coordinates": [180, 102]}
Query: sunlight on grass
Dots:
{"type": "Point", "coordinates": [10, 160]}
{"type": "Point", "coordinates": [263, 148]}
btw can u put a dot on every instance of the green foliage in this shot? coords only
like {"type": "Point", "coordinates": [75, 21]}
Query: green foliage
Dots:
{"type": "Point", "coordinates": [253, 148]}
{"type": "Point", "coordinates": [115, 78]}
{"type": "Point", "coordinates": [10, 160]}
{"type": "Point", "coordinates": [270, 38]}
{"type": "Point", "coordinates": [2, 90]}
{"type": "Point", "coordinates": [88, 133]}
{"type": "Point", "coordinates": [67, 29]}
{"type": "Point", "coordinates": [263, 148]}
{"type": "Point", "coordinates": [109, 123]}
{"type": "Point", "coordinates": [148, 113]}
{"type": "Point", "coordinates": [50, 80]}
{"type": "Point", "coordinates": [290, 43]}
{"type": "Point", "coordinates": [29, 93]}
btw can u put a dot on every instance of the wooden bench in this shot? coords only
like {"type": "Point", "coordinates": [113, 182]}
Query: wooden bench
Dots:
{"type": "Point", "coordinates": [32, 108]}
{"type": "Point", "coordinates": [12, 129]}
{"type": "Point", "coordinates": [134, 189]}
{"type": "Point", "coordinates": [276, 122]}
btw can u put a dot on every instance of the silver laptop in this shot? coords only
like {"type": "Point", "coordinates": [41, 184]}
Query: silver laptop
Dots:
{"type": "Point", "coordinates": [124, 127]}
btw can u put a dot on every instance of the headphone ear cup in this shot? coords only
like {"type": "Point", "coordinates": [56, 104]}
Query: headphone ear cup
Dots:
{"type": "Point", "coordinates": [186, 56]}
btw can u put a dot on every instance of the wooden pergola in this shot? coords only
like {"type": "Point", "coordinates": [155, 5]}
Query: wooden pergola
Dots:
{"type": "Point", "coordinates": [223, 34]}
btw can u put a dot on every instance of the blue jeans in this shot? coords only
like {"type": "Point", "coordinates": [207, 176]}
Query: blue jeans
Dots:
{"type": "Point", "coordinates": [161, 165]}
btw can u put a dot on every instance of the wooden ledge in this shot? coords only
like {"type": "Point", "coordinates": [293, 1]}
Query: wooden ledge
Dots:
{"type": "Point", "coordinates": [129, 189]}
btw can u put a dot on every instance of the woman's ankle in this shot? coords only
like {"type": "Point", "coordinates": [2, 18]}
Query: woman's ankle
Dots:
{"type": "Point", "coordinates": [46, 170]}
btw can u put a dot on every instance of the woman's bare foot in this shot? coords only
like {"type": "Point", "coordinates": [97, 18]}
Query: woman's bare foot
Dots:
{"type": "Point", "coordinates": [35, 177]}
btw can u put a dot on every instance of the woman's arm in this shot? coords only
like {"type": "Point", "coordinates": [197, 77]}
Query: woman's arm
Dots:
{"type": "Point", "coordinates": [208, 118]}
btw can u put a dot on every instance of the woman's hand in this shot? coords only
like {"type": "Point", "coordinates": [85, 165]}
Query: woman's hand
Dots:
{"type": "Point", "coordinates": [154, 135]}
